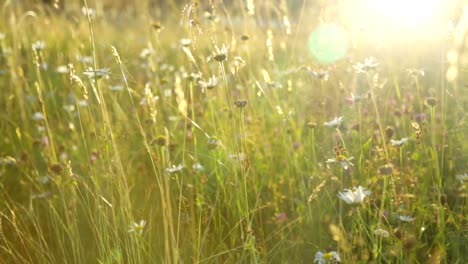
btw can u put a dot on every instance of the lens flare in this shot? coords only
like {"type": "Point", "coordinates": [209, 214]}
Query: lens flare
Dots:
{"type": "Point", "coordinates": [329, 43]}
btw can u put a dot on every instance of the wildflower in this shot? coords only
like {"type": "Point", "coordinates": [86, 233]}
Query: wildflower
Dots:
{"type": "Point", "coordinates": [38, 116]}
{"type": "Point", "coordinates": [430, 101]}
{"type": "Point", "coordinates": [157, 26]}
{"type": "Point", "coordinates": [167, 92]}
{"type": "Point", "coordinates": [159, 140]}
{"type": "Point", "coordinates": [381, 232]}
{"type": "Point", "coordinates": [62, 69]}
{"type": "Point", "coordinates": [173, 118]}
{"type": "Point", "coordinates": [415, 72]}
{"type": "Point", "coordinates": [116, 88]}
{"type": "Point", "coordinates": [405, 218]}
{"type": "Point", "coordinates": [354, 196]}
{"type": "Point", "coordinates": [389, 131]}
{"type": "Point", "coordinates": [398, 142]}
{"type": "Point", "coordinates": [88, 12]}
{"type": "Point", "coordinates": [83, 102]}
{"type": "Point", "coordinates": [281, 217]}
{"type": "Point", "coordinates": [198, 167]}
{"type": "Point", "coordinates": [210, 84]}
{"type": "Point", "coordinates": [185, 42]}
{"type": "Point", "coordinates": [7, 160]}
{"type": "Point", "coordinates": [145, 53]}
{"type": "Point", "coordinates": [356, 98]}
{"type": "Point", "coordinates": [38, 45]}
{"type": "Point", "coordinates": [323, 258]}
{"type": "Point", "coordinates": [167, 67]}
{"type": "Point", "coordinates": [237, 156]}
{"type": "Point", "coordinates": [386, 169]}
{"type": "Point", "coordinates": [336, 122]}
{"type": "Point", "coordinates": [420, 117]}
{"type": "Point", "coordinates": [97, 74]}
{"type": "Point", "coordinates": [220, 54]}
{"type": "Point", "coordinates": [194, 76]}
{"type": "Point", "coordinates": [69, 108]}
{"type": "Point", "coordinates": [319, 74]}
{"type": "Point", "coordinates": [209, 16]}
{"type": "Point", "coordinates": [144, 100]}
{"type": "Point", "coordinates": [462, 177]}
{"type": "Point", "coordinates": [85, 59]}
{"type": "Point", "coordinates": [6, 50]}
{"type": "Point", "coordinates": [344, 161]}
{"type": "Point", "coordinates": [45, 141]}
{"type": "Point", "coordinates": [311, 125]}
{"type": "Point", "coordinates": [175, 168]}
{"type": "Point", "coordinates": [213, 143]}
{"type": "Point", "coordinates": [137, 227]}
{"type": "Point", "coordinates": [237, 64]}
{"type": "Point", "coordinates": [368, 64]}
{"type": "Point", "coordinates": [44, 179]}
{"type": "Point", "coordinates": [44, 66]}
{"type": "Point", "coordinates": [240, 103]}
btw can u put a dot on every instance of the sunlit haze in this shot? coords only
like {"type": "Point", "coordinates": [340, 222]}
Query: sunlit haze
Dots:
{"type": "Point", "coordinates": [397, 23]}
{"type": "Point", "coordinates": [405, 12]}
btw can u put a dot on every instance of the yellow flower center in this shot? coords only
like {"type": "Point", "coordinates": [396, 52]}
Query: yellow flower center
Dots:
{"type": "Point", "coordinates": [328, 255]}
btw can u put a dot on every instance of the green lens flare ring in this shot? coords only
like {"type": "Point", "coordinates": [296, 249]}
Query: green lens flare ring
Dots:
{"type": "Point", "coordinates": [329, 43]}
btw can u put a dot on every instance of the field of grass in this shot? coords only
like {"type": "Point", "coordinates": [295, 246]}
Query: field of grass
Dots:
{"type": "Point", "coordinates": [205, 132]}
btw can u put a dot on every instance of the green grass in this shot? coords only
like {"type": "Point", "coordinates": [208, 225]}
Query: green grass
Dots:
{"type": "Point", "coordinates": [74, 177]}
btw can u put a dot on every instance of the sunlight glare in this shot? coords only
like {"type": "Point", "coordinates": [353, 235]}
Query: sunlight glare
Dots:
{"type": "Point", "coordinates": [404, 12]}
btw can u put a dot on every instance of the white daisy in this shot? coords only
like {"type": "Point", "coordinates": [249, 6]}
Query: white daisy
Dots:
{"type": "Point", "coordinates": [85, 59]}
{"type": "Point", "coordinates": [237, 157]}
{"type": "Point", "coordinates": [343, 161]}
{"type": "Point", "coordinates": [137, 227]}
{"type": "Point", "coordinates": [145, 53]}
{"type": "Point", "coordinates": [405, 218]}
{"type": "Point", "coordinates": [198, 167]}
{"type": "Point", "coordinates": [368, 64]}
{"type": "Point", "coordinates": [98, 73]}
{"type": "Point", "coordinates": [83, 103]}
{"type": "Point", "coordinates": [88, 11]}
{"type": "Point", "coordinates": [335, 122]}
{"type": "Point", "coordinates": [399, 142]}
{"type": "Point", "coordinates": [69, 108]}
{"type": "Point", "coordinates": [116, 88]}
{"type": "Point", "coordinates": [38, 116]}
{"type": "Point", "coordinates": [210, 84]}
{"type": "Point", "coordinates": [356, 98]}
{"type": "Point", "coordinates": [462, 177]}
{"type": "Point", "coordinates": [354, 196]}
{"type": "Point", "coordinates": [62, 69]}
{"type": "Point", "coordinates": [38, 45]}
{"type": "Point", "coordinates": [175, 168]}
{"type": "Point", "coordinates": [144, 100]}
{"type": "Point", "coordinates": [185, 42]}
{"type": "Point", "coordinates": [323, 258]}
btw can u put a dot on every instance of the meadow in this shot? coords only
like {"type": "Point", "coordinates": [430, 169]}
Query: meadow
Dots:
{"type": "Point", "coordinates": [230, 132]}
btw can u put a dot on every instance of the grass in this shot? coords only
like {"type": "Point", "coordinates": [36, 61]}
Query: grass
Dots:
{"type": "Point", "coordinates": [130, 153]}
